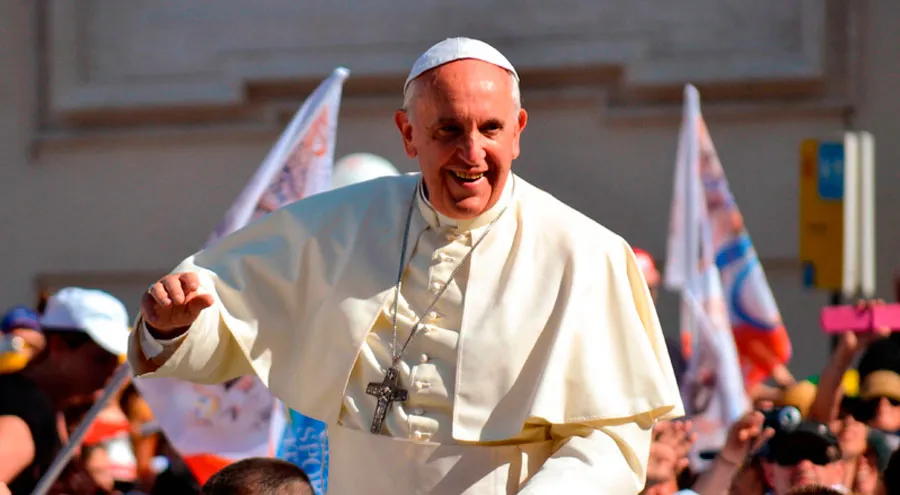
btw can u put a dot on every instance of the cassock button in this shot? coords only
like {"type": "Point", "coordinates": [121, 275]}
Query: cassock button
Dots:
{"type": "Point", "coordinates": [436, 287]}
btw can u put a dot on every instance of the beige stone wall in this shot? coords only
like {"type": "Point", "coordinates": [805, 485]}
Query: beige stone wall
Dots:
{"type": "Point", "coordinates": [153, 116]}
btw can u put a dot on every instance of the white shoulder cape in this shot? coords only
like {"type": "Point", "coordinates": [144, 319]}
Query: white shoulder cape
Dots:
{"type": "Point", "coordinates": [558, 323]}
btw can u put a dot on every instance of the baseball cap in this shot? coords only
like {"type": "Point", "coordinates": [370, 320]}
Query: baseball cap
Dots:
{"type": "Point", "coordinates": [452, 49]}
{"type": "Point", "coordinates": [94, 312]}
{"type": "Point", "coordinates": [19, 317]}
{"type": "Point", "coordinates": [809, 440]}
{"type": "Point", "coordinates": [881, 383]}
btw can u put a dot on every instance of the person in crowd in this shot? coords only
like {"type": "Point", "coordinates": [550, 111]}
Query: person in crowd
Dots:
{"type": "Point", "coordinates": [258, 476]}
{"type": "Point", "coordinates": [21, 338]}
{"type": "Point", "coordinates": [110, 431]}
{"type": "Point", "coordinates": [86, 331]}
{"type": "Point", "coordinates": [144, 435]}
{"type": "Point", "coordinates": [880, 393]}
{"type": "Point", "coordinates": [97, 463]}
{"type": "Point", "coordinates": [806, 455]}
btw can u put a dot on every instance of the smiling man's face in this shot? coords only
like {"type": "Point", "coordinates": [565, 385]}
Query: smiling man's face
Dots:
{"type": "Point", "coordinates": [464, 128]}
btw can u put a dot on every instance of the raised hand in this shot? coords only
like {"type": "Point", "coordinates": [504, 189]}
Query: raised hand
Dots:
{"type": "Point", "coordinates": [677, 438]}
{"type": "Point", "coordinates": [852, 343]}
{"type": "Point", "coordinates": [172, 304]}
{"type": "Point", "coordinates": [745, 436]}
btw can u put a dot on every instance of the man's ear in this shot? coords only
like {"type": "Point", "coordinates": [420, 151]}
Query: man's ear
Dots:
{"type": "Point", "coordinates": [521, 122]}
{"type": "Point", "coordinates": [401, 119]}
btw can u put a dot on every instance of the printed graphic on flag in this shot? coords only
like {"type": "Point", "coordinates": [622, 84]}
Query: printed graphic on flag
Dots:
{"type": "Point", "coordinates": [713, 390]}
{"type": "Point", "coordinates": [761, 338]}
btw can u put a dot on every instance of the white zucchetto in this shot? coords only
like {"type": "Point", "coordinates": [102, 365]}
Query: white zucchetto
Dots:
{"type": "Point", "coordinates": [452, 49]}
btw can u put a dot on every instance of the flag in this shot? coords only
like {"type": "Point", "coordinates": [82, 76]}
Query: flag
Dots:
{"type": "Point", "coordinates": [759, 333]}
{"type": "Point", "coordinates": [713, 390]}
{"type": "Point", "coordinates": [214, 425]}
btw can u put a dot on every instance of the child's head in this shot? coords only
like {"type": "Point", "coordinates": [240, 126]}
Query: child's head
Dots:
{"type": "Point", "coordinates": [258, 476]}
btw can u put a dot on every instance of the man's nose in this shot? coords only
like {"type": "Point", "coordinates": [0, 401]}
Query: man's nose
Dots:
{"type": "Point", "coordinates": [804, 466]}
{"type": "Point", "coordinates": [471, 148]}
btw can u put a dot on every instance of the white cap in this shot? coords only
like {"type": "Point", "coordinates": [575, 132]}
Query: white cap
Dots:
{"type": "Point", "coordinates": [94, 312]}
{"type": "Point", "coordinates": [360, 167]}
{"type": "Point", "coordinates": [452, 49]}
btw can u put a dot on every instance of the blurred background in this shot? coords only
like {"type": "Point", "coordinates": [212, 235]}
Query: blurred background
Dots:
{"type": "Point", "coordinates": [127, 129]}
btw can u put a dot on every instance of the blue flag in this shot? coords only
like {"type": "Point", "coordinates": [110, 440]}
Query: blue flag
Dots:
{"type": "Point", "coordinates": [305, 443]}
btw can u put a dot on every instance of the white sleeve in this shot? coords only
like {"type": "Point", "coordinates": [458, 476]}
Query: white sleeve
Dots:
{"type": "Point", "coordinates": [611, 460]}
{"type": "Point", "coordinates": [152, 347]}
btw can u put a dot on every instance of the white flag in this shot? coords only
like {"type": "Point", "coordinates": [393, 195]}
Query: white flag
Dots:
{"type": "Point", "coordinates": [713, 390]}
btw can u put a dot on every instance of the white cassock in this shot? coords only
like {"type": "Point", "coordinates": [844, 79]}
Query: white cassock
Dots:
{"type": "Point", "coordinates": [541, 369]}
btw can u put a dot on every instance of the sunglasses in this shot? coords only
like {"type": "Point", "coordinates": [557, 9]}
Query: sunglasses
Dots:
{"type": "Point", "coordinates": [789, 457]}
{"type": "Point", "coordinates": [864, 411]}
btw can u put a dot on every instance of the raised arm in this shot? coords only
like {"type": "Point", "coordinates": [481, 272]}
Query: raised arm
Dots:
{"type": "Point", "coordinates": [222, 312]}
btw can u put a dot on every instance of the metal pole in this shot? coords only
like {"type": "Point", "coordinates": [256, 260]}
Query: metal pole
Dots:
{"type": "Point", "coordinates": [65, 455]}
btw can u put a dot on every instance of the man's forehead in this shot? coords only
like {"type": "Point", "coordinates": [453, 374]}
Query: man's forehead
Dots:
{"type": "Point", "coordinates": [450, 91]}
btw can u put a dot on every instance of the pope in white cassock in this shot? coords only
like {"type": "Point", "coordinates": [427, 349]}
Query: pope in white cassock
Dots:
{"type": "Point", "coordinates": [460, 331]}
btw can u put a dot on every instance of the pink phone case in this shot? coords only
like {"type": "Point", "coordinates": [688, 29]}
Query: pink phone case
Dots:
{"type": "Point", "coordinates": [839, 319]}
{"type": "Point", "coordinates": [887, 316]}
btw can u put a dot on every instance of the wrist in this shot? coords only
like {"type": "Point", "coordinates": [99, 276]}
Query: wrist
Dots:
{"type": "Point", "coordinates": [732, 460]}
{"type": "Point", "coordinates": [158, 334]}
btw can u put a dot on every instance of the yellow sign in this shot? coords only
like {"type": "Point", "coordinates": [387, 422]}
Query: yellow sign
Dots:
{"type": "Point", "coordinates": [822, 213]}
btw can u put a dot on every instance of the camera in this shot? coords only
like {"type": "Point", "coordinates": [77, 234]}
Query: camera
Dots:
{"type": "Point", "coordinates": [782, 419]}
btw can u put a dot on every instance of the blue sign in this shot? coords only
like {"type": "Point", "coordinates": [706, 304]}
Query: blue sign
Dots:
{"type": "Point", "coordinates": [831, 171]}
{"type": "Point", "coordinates": [305, 443]}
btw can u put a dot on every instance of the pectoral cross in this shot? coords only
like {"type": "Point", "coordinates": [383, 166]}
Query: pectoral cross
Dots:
{"type": "Point", "coordinates": [387, 392]}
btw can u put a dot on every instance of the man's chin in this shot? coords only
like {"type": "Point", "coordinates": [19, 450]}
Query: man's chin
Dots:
{"type": "Point", "coordinates": [467, 209]}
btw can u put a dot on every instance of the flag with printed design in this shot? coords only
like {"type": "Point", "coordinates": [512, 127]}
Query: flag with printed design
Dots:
{"type": "Point", "coordinates": [713, 390]}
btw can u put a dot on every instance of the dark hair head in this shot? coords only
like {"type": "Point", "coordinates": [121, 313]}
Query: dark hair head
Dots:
{"type": "Point", "coordinates": [258, 476]}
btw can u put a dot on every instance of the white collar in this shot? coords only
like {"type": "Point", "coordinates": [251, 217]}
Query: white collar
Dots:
{"type": "Point", "coordinates": [438, 220]}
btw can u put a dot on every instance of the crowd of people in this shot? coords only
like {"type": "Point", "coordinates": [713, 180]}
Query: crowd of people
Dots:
{"type": "Point", "coordinates": [55, 361]}
{"type": "Point", "coordinates": [836, 432]}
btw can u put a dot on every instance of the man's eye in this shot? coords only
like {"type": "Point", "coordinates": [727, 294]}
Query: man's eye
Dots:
{"type": "Point", "coordinates": [492, 128]}
{"type": "Point", "coordinates": [449, 129]}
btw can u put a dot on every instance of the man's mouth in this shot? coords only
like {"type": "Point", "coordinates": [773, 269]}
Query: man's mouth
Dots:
{"type": "Point", "coordinates": [467, 177]}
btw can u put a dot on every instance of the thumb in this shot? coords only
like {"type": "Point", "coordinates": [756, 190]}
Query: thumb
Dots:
{"type": "Point", "coordinates": [198, 303]}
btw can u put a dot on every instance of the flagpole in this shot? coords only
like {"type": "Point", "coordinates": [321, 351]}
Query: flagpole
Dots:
{"type": "Point", "coordinates": [62, 459]}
